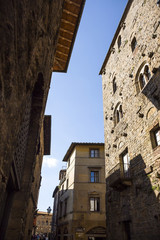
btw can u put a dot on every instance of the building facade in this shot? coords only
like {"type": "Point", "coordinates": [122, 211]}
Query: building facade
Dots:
{"type": "Point", "coordinates": [131, 100]}
{"type": "Point", "coordinates": [81, 195]}
{"type": "Point", "coordinates": [37, 38]}
{"type": "Point", "coordinates": [43, 223]}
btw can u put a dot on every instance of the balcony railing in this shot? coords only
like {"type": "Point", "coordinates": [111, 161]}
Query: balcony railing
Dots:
{"type": "Point", "coordinates": [119, 176]}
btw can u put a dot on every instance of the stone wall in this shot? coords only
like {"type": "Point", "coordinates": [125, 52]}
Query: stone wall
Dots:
{"type": "Point", "coordinates": [28, 31]}
{"type": "Point", "coordinates": [133, 206]}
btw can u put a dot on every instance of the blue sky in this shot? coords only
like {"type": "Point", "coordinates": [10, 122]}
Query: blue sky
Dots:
{"type": "Point", "coordinates": [75, 98]}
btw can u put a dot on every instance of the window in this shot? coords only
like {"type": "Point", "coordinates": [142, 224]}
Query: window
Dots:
{"type": "Point", "coordinates": [142, 81]}
{"type": "Point", "coordinates": [144, 76]}
{"type": "Point", "coordinates": [125, 163]}
{"type": "Point", "coordinates": [114, 85]}
{"type": "Point", "coordinates": [147, 73]}
{"type": "Point", "coordinates": [133, 44]}
{"type": "Point", "coordinates": [155, 136]}
{"type": "Point", "coordinates": [118, 114]}
{"type": "Point", "coordinates": [94, 204]}
{"type": "Point", "coordinates": [119, 41]}
{"type": "Point", "coordinates": [94, 176]}
{"type": "Point", "coordinates": [94, 153]}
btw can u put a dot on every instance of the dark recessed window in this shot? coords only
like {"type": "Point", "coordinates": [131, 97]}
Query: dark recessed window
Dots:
{"type": "Point", "coordinates": [133, 44]}
{"type": "Point", "coordinates": [114, 85]}
{"type": "Point", "coordinates": [67, 184]}
{"type": "Point", "coordinates": [119, 41]}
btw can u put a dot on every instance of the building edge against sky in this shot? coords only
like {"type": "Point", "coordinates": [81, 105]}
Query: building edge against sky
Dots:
{"type": "Point", "coordinates": [131, 100]}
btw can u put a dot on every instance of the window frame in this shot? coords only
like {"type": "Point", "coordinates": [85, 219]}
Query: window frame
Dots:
{"type": "Point", "coordinates": [133, 44]}
{"type": "Point", "coordinates": [96, 179]}
{"type": "Point", "coordinates": [125, 165]}
{"type": "Point", "coordinates": [114, 85]}
{"type": "Point", "coordinates": [154, 141]}
{"type": "Point", "coordinates": [96, 204]}
{"type": "Point", "coordinates": [144, 77]}
{"type": "Point", "coordinates": [118, 114]}
{"type": "Point", "coordinates": [119, 41]}
{"type": "Point", "coordinates": [94, 153]}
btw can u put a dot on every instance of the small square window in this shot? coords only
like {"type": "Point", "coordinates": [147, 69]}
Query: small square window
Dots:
{"type": "Point", "coordinates": [94, 153]}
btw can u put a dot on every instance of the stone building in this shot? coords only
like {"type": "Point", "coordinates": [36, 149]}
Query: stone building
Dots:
{"type": "Point", "coordinates": [43, 223]}
{"type": "Point", "coordinates": [80, 197]}
{"type": "Point", "coordinates": [131, 100]}
{"type": "Point", "coordinates": [37, 39]}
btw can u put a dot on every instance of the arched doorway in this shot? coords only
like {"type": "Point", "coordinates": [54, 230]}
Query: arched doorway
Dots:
{"type": "Point", "coordinates": [97, 233]}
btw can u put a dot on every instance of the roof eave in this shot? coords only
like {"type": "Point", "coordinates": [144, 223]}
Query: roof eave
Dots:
{"type": "Point", "coordinates": [73, 145]}
{"type": "Point", "coordinates": [64, 69]}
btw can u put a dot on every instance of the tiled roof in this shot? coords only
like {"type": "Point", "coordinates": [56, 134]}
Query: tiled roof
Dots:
{"type": "Point", "coordinates": [72, 146]}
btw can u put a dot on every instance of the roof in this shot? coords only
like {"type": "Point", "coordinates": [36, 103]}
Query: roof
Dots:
{"type": "Point", "coordinates": [71, 15]}
{"type": "Point", "coordinates": [43, 213]}
{"type": "Point", "coordinates": [116, 35]}
{"type": "Point", "coordinates": [72, 146]}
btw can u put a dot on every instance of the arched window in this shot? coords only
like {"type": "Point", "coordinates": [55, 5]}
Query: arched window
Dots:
{"type": "Point", "coordinates": [133, 44]}
{"type": "Point", "coordinates": [144, 76]}
{"type": "Point", "coordinates": [142, 81]}
{"type": "Point", "coordinates": [118, 114]}
{"type": "Point", "coordinates": [119, 41]}
{"type": "Point", "coordinates": [114, 85]}
{"type": "Point", "coordinates": [147, 73]}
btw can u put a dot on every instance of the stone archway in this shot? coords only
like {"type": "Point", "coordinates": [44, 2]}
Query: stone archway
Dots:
{"type": "Point", "coordinates": [97, 233]}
